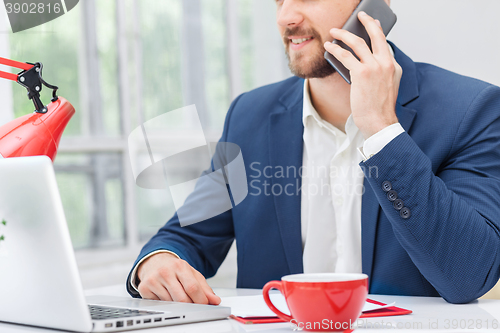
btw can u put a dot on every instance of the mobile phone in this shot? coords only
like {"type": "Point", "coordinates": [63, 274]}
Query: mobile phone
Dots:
{"type": "Point", "coordinates": [377, 9]}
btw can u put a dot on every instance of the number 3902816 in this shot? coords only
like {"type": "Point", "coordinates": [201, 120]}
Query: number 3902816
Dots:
{"type": "Point", "coordinates": [33, 8]}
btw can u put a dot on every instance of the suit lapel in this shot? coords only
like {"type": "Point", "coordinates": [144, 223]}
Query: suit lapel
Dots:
{"type": "Point", "coordinates": [286, 145]}
{"type": "Point", "coordinates": [370, 207]}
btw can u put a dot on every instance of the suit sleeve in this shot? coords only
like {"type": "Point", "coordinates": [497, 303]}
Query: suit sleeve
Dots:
{"type": "Point", "coordinates": [448, 222]}
{"type": "Point", "coordinates": [203, 245]}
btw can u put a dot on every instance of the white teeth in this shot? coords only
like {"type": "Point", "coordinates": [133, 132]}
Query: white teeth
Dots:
{"type": "Point", "coordinates": [298, 41]}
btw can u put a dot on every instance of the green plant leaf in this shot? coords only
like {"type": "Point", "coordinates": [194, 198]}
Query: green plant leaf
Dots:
{"type": "Point", "coordinates": [2, 236]}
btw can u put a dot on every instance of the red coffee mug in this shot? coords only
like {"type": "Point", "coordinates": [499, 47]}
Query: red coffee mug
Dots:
{"type": "Point", "coordinates": [321, 302]}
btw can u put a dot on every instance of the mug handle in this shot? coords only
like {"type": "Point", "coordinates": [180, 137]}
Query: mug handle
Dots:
{"type": "Point", "coordinates": [265, 291]}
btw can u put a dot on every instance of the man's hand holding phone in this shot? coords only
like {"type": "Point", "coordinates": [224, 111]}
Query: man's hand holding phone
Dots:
{"type": "Point", "coordinates": [165, 277]}
{"type": "Point", "coordinates": [375, 77]}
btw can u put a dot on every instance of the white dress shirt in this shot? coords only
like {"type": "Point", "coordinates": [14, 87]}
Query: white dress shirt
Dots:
{"type": "Point", "coordinates": [332, 188]}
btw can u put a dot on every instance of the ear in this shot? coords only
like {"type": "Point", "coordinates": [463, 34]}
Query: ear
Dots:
{"type": "Point", "coordinates": [388, 2]}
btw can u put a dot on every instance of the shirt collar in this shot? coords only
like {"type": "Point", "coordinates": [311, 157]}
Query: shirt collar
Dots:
{"type": "Point", "coordinates": [310, 113]}
{"type": "Point", "coordinates": [308, 110]}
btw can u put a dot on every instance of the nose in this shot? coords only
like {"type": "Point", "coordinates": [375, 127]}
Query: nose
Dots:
{"type": "Point", "coordinates": [288, 14]}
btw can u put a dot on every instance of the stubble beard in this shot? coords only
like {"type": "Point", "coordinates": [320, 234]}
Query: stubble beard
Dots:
{"type": "Point", "coordinates": [317, 67]}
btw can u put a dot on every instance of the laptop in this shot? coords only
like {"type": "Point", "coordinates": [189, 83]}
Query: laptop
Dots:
{"type": "Point", "coordinates": [39, 279]}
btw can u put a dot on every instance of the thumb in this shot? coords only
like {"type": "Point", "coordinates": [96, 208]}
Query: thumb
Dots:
{"type": "Point", "coordinates": [213, 299]}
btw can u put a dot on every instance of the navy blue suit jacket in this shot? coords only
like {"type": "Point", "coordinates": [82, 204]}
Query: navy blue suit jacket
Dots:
{"type": "Point", "coordinates": [445, 168]}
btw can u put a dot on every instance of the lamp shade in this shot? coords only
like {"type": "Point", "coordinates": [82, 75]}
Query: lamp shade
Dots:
{"type": "Point", "coordinates": [37, 133]}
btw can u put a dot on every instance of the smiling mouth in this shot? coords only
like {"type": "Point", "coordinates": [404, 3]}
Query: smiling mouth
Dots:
{"type": "Point", "coordinates": [300, 40]}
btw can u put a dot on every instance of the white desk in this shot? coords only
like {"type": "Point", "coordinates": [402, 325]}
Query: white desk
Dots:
{"type": "Point", "coordinates": [429, 315]}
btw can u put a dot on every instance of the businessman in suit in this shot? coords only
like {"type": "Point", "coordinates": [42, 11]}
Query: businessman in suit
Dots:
{"type": "Point", "coordinates": [410, 196]}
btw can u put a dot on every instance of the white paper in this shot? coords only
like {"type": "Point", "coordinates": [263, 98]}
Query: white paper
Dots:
{"type": "Point", "coordinates": [255, 306]}
{"type": "Point", "coordinates": [370, 306]}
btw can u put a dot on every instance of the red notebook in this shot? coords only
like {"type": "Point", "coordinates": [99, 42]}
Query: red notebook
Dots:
{"type": "Point", "coordinates": [390, 311]}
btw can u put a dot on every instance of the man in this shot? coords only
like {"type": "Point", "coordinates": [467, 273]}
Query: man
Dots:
{"type": "Point", "coordinates": [426, 221]}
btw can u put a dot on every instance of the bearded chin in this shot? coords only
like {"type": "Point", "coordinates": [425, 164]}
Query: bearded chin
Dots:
{"type": "Point", "coordinates": [318, 67]}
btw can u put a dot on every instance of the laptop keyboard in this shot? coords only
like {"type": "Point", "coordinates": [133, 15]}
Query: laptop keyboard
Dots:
{"type": "Point", "coordinates": [104, 312]}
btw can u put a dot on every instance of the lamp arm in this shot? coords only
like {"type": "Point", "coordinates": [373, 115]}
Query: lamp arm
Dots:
{"type": "Point", "coordinates": [31, 78]}
{"type": "Point", "coordinates": [24, 136]}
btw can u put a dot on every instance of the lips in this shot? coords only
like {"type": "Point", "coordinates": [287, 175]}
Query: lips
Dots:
{"type": "Point", "coordinates": [298, 42]}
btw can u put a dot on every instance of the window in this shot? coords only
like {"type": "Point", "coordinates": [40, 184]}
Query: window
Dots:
{"type": "Point", "coordinates": [121, 63]}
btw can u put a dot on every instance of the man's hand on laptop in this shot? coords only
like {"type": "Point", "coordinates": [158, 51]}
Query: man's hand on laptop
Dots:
{"type": "Point", "coordinates": [165, 277]}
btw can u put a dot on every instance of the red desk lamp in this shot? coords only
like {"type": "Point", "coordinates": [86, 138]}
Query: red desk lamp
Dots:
{"type": "Point", "coordinates": [38, 133]}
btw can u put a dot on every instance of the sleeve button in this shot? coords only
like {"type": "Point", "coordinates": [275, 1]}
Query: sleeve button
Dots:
{"type": "Point", "coordinates": [386, 186]}
{"type": "Point", "coordinates": [405, 212]}
{"type": "Point", "coordinates": [392, 195]}
{"type": "Point", "coordinates": [398, 204]}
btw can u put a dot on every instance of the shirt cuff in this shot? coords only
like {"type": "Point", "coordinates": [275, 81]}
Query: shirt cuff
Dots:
{"type": "Point", "coordinates": [379, 140]}
{"type": "Point", "coordinates": [133, 279]}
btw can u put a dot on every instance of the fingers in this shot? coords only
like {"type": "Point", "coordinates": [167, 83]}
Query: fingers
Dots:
{"type": "Point", "coordinates": [357, 44]}
{"type": "Point", "coordinates": [192, 287]}
{"type": "Point", "coordinates": [153, 287]}
{"type": "Point", "coordinates": [379, 57]}
{"type": "Point", "coordinates": [214, 299]}
{"type": "Point", "coordinates": [161, 293]}
{"type": "Point", "coordinates": [379, 53]}
{"type": "Point", "coordinates": [167, 278]}
{"type": "Point", "coordinates": [377, 37]}
{"type": "Point", "coordinates": [176, 291]}
{"type": "Point", "coordinates": [146, 292]}
{"type": "Point", "coordinates": [344, 56]}
{"type": "Point", "coordinates": [209, 293]}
